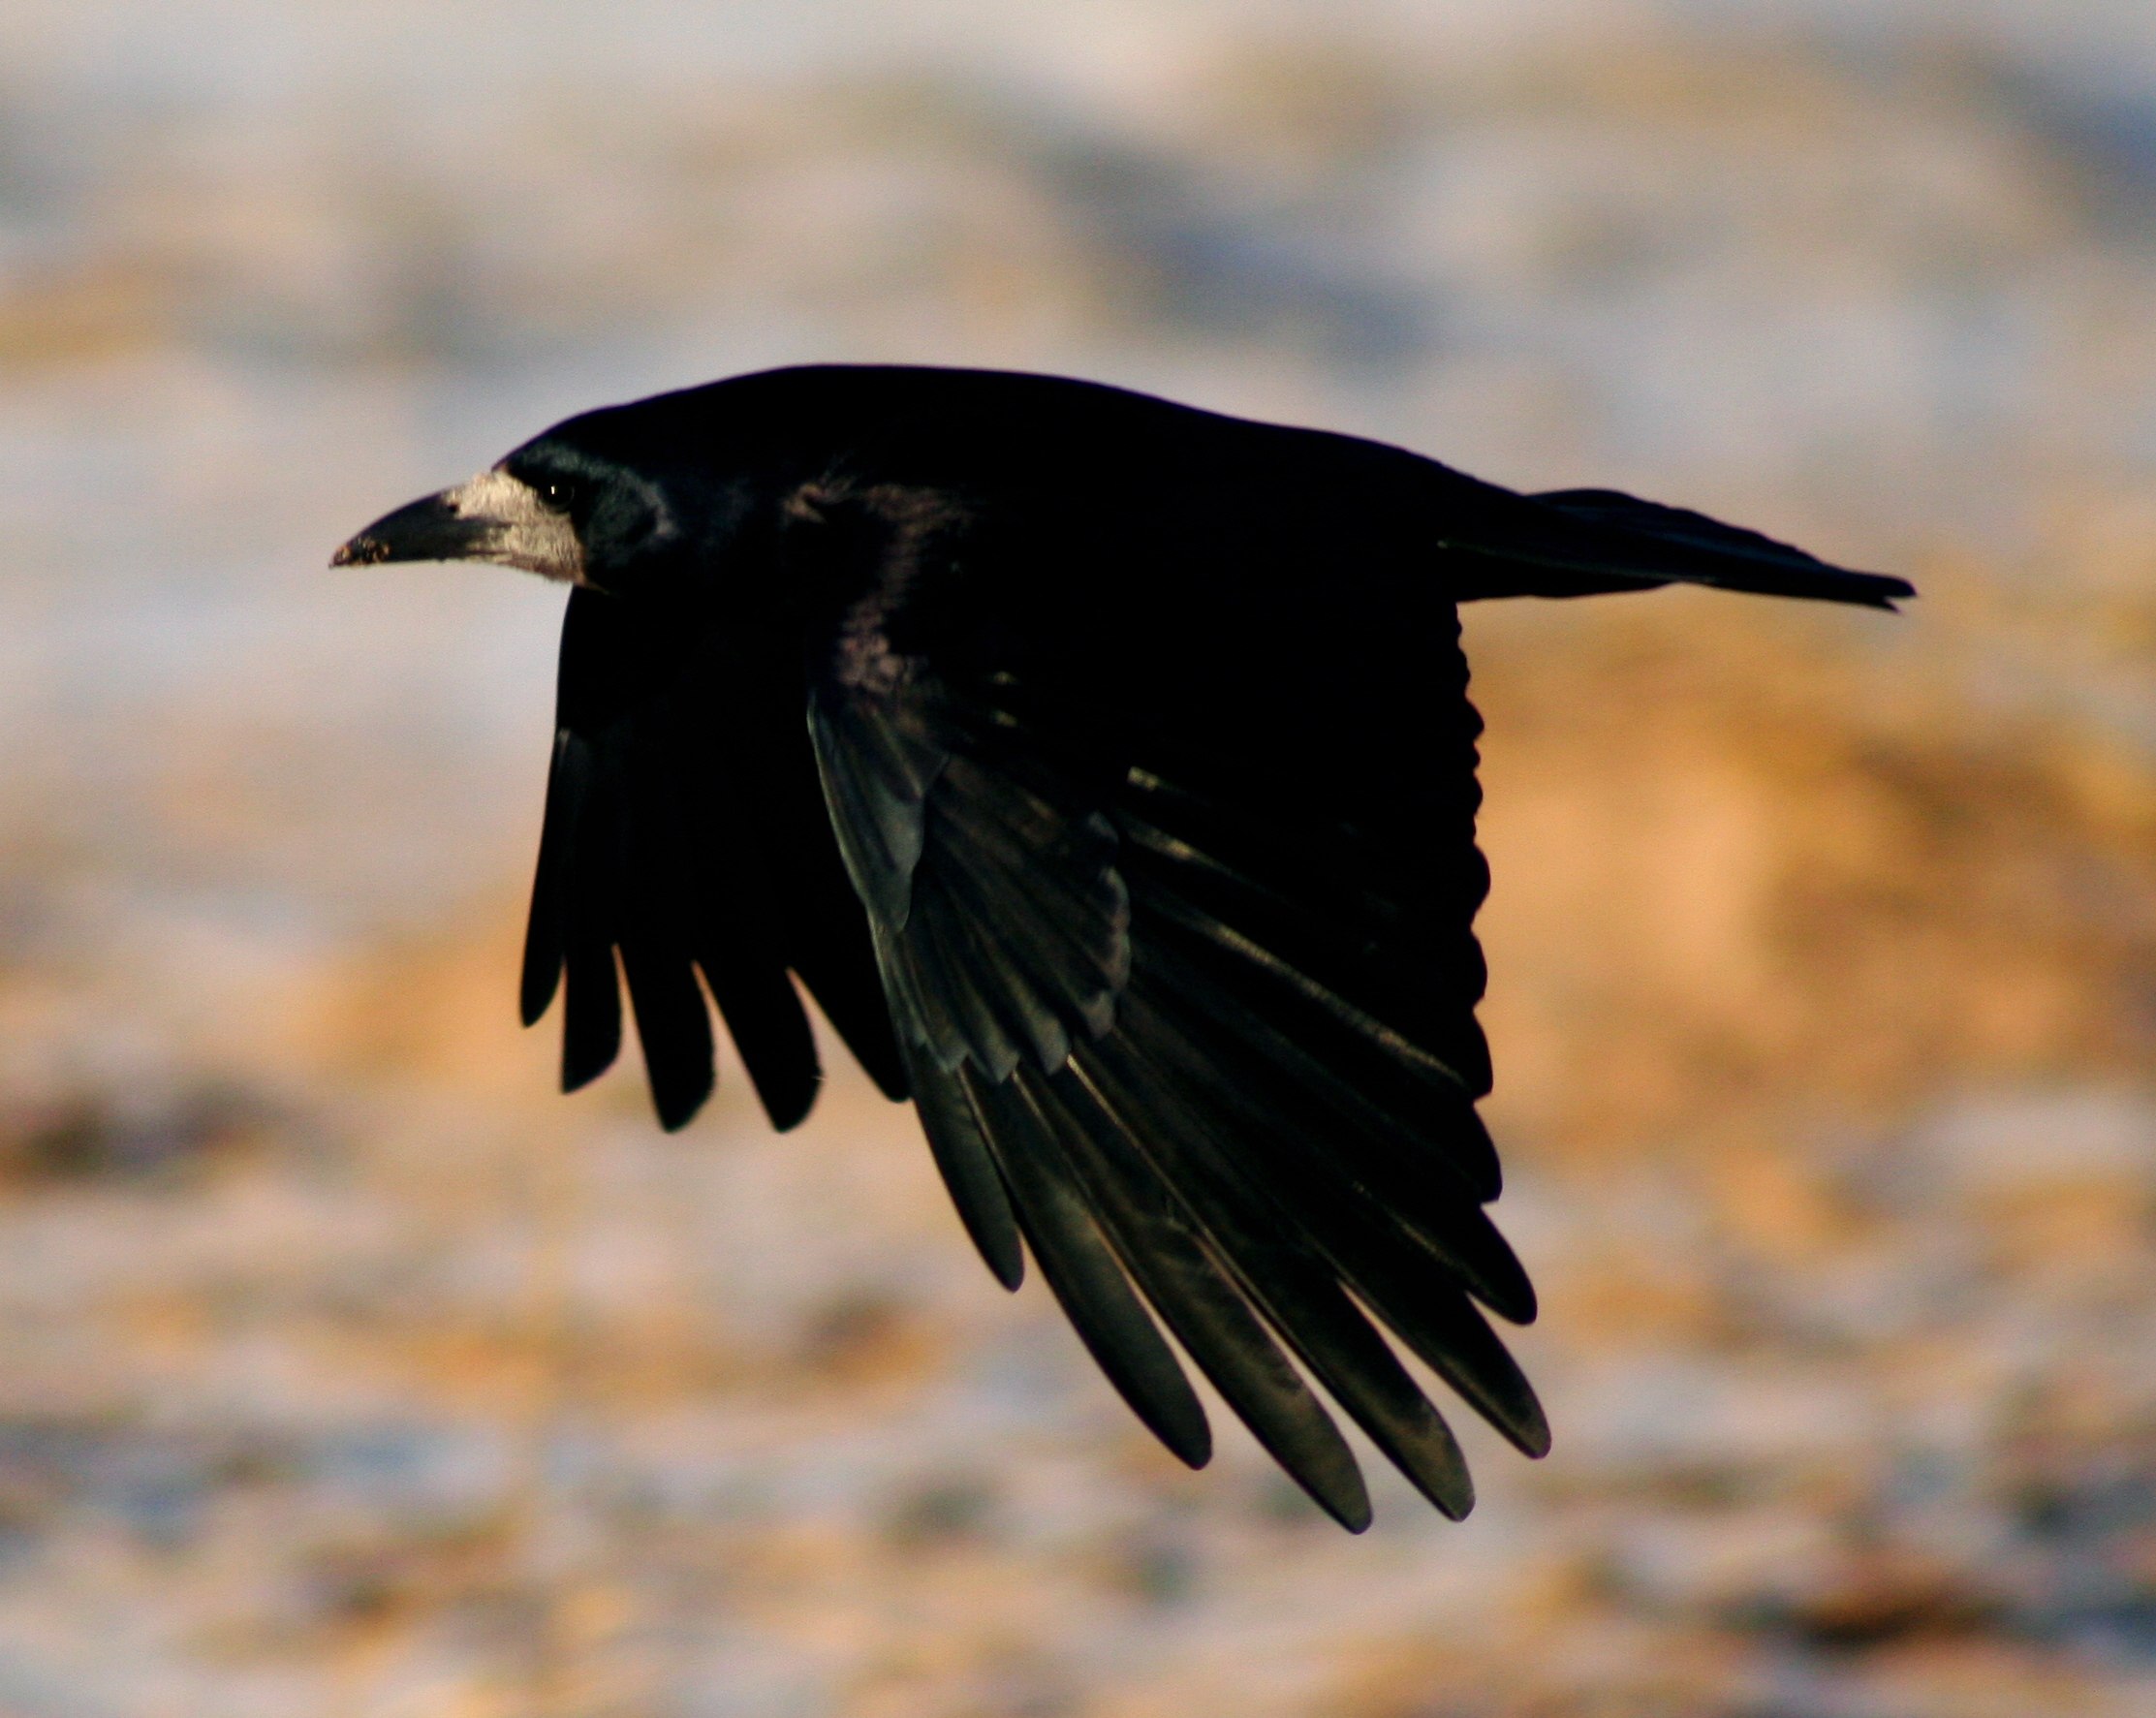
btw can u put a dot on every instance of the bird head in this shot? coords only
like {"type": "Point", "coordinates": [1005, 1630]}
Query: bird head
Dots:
{"type": "Point", "coordinates": [594, 501]}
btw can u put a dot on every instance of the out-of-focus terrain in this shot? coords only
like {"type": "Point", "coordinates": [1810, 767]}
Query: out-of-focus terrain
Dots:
{"type": "Point", "coordinates": [347, 1372]}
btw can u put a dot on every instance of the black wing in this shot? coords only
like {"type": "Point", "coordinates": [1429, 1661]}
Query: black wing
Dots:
{"type": "Point", "coordinates": [1174, 922]}
{"type": "Point", "coordinates": [684, 835]}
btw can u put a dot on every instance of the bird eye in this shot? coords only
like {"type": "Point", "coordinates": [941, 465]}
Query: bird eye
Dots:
{"type": "Point", "coordinates": [558, 493]}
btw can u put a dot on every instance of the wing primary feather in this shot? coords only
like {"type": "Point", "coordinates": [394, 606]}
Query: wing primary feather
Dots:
{"type": "Point", "coordinates": [771, 1031]}
{"type": "Point", "coordinates": [960, 1148]}
{"type": "Point", "coordinates": [1295, 1290]}
{"type": "Point", "coordinates": [543, 936]}
{"type": "Point", "coordinates": [954, 1022]}
{"type": "Point", "coordinates": [1427, 1107]}
{"type": "Point", "coordinates": [959, 990]}
{"type": "Point", "coordinates": [876, 781]}
{"type": "Point", "coordinates": [837, 963]}
{"type": "Point", "coordinates": [1083, 1272]}
{"type": "Point", "coordinates": [1164, 1250]}
{"type": "Point", "coordinates": [1072, 944]}
{"type": "Point", "coordinates": [924, 1023]}
{"type": "Point", "coordinates": [1375, 1031]}
{"type": "Point", "coordinates": [1444, 1331]}
{"type": "Point", "coordinates": [1375, 1256]}
{"type": "Point", "coordinates": [1420, 978]}
{"type": "Point", "coordinates": [1022, 1004]}
{"type": "Point", "coordinates": [591, 1026]}
{"type": "Point", "coordinates": [705, 895]}
{"type": "Point", "coordinates": [674, 1028]}
{"type": "Point", "coordinates": [659, 902]}
{"type": "Point", "coordinates": [1422, 1139]}
{"type": "Point", "coordinates": [993, 890]}
{"type": "Point", "coordinates": [1332, 1136]}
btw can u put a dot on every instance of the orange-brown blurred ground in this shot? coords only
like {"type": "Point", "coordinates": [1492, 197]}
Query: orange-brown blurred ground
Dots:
{"type": "Point", "coordinates": [349, 1372]}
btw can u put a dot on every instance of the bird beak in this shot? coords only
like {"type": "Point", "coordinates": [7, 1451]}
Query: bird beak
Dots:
{"type": "Point", "coordinates": [494, 518]}
{"type": "Point", "coordinates": [432, 529]}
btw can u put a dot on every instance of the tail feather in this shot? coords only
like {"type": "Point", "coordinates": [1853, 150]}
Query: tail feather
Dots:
{"type": "Point", "coordinates": [1582, 541]}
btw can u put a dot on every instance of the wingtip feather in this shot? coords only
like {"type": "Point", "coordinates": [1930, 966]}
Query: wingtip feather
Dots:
{"type": "Point", "coordinates": [576, 1071]}
{"type": "Point", "coordinates": [787, 1109]}
{"type": "Point", "coordinates": [677, 1112]}
{"type": "Point", "coordinates": [539, 981]}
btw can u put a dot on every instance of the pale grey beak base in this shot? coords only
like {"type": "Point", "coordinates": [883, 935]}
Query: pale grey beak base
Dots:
{"type": "Point", "coordinates": [522, 530]}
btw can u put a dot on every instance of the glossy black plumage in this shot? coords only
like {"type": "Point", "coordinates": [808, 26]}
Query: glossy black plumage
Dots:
{"type": "Point", "coordinates": [1104, 769]}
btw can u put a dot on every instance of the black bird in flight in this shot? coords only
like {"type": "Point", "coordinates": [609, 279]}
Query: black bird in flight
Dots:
{"type": "Point", "coordinates": [1104, 770]}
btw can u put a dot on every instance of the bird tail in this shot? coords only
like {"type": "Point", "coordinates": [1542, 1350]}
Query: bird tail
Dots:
{"type": "Point", "coordinates": [1570, 542]}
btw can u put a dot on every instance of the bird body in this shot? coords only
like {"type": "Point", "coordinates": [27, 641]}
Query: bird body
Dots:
{"type": "Point", "coordinates": [1104, 770]}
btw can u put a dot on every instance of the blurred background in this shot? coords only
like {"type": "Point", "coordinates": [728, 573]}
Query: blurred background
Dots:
{"type": "Point", "coordinates": [345, 1371]}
